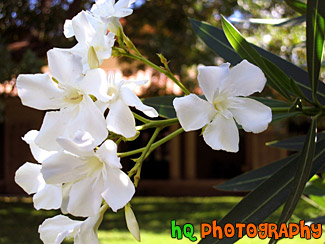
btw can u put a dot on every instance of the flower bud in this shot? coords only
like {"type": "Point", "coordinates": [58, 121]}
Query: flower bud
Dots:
{"type": "Point", "coordinates": [131, 222]}
{"type": "Point", "coordinates": [92, 58]}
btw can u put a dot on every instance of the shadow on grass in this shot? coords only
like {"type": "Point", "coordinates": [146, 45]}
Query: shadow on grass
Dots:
{"type": "Point", "coordinates": [19, 220]}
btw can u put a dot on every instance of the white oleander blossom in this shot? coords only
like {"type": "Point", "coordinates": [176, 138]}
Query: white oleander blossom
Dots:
{"type": "Point", "coordinates": [110, 12]}
{"type": "Point", "coordinates": [87, 176]}
{"type": "Point", "coordinates": [55, 230]}
{"type": "Point", "coordinates": [30, 178]}
{"type": "Point", "coordinates": [62, 92]}
{"type": "Point", "coordinates": [118, 97]}
{"type": "Point", "coordinates": [89, 31]}
{"type": "Point", "coordinates": [225, 90]}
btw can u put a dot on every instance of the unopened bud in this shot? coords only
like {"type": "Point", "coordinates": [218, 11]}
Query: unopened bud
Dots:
{"type": "Point", "coordinates": [163, 60]}
{"type": "Point", "coordinates": [131, 222]}
{"type": "Point", "coordinates": [92, 58]}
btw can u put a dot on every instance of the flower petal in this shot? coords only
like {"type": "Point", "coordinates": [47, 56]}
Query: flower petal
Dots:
{"type": "Point", "coordinates": [65, 123]}
{"type": "Point", "coordinates": [120, 119]}
{"type": "Point", "coordinates": [211, 79]}
{"type": "Point", "coordinates": [131, 99]}
{"type": "Point", "coordinates": [38, 153]}
{"type": "Point", "coordinates": [83, 30]}
{"type": "Point", "coordinates": [82, 144]}
{"type": "Point", "coordinates": [107, 153]}
{"type": "Point", "coordinates": [222, 134]}
{"type": "Point", "coordinates": [246, 79]}
{"type": "Point", "coordinates": [95, 83]}
{"type": "Point", "coordinates": [193, 112]}
{"type": "Point", "coordinates": [64, 66]}
{"type": "Point", "coordinates": [54, 124]}
{"type": "Point", "coordinates": [91, 120]}
{"type": "Point", "coordinates": [49, 197]}
{"type": "Point", "coordinates": [64, 167]}
{"type": "Point", "coordinates": [68, 29]}
{"type": "Point", "coordinates": [65, 197]}
{"type": "Point", "coordinates": [29, 177]}
{"type": "Point", "coordinates": [252, 115]}
{"type": "Point", "coordinates": [56, 229]}
{"type": "Point", "coordinates": [85, 197]}
{"type": "Point", "coordinates": [39, 91]}
{"type": "Point", "coordinates": [87, 233]}
{"type": "Point", "coordinates": [119, 189]}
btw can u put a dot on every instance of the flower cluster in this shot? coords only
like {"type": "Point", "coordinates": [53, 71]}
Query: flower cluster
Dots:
{"type": "Point", "coordinates": [78, 170]}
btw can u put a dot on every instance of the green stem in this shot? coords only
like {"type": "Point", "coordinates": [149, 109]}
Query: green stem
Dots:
{"type": "Point", "coordinates": [156, 67]}
{"type": "Point", "coordinates": [157, 123]}
{"type": "Point", "coordinates": [140, 118]}
{"type": "Point", "coordinates": [137, 167]}
{"type": "Point", "coordinates": [154, 145]}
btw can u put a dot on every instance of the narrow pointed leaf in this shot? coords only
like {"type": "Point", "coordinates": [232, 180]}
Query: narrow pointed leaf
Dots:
{"type": "Point", "coordinates": [318, 220]}
{"type": "Point", "coordinates": [267, 197]}
{"type": "Point", "coordinates": [216, 40]}
{"type": "Point", "coordinates": [272, 103]}
{"type": "Point", "coordinates": [250, 180]}
{"type": "Point", "coordinates": [315, 32]}
{"type": "Point", "coordinates": [294, 143]}
{"type": "Point", "coordinates": [163, 105]}
{"type": "Point", "coordinates": [301, 176]}
{"type": "Point", "coordinates": [298, 6]}
{"type": "Point", "coordinates": [292, 22]}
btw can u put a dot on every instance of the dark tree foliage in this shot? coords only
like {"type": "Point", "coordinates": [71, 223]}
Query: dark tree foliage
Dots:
{"type": "Point", "coordinates": [29, 28]}
{"type": "Point", "coordinates": [163, 27]}
{"type": "Point", "coordinates": [155, 27]}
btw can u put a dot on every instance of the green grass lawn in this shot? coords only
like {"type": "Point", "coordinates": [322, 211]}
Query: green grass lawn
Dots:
{"type": "Point", "coordinates": [19, 221]}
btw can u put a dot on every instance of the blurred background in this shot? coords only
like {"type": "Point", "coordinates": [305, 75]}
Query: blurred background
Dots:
{"type": "Point", "coordinates": [185, 166]}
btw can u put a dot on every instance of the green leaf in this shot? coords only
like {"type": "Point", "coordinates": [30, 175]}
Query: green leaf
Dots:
{"type": "Point", "coordinates": [245, 50]}
{"type": "Point", "coordinates": [318, 220]}
{"type": "Point", "coordinates": [294, 143]}
{"type": "Point", "coordinates": [292, 22]}
{"type": "Point", "coordinates": [316, 186]}
{"type": "Point", "coordinates": [267, 197]}
{"type": "Point", "coordinates": [217, 41]}
{"type": "Point", "coordinates": [301, 176]}
{"type": "Point", "coordinates": [272, 103]}
{"type": "Point", "coordinates": [281, 116]}
{"type": "Point", "coordinates": [250, 180]}
{"type": "Point", "coordinates": [319, 200]}
{"type": "Point", "coordinates": [298, 6]}
{"type": "Point", "coordinates": [163, 105]}
{"type": "Point", "coordinates": [315, 32]}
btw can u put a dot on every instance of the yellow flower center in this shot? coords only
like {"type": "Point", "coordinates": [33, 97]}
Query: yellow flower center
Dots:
{"type": "Point", "coordinates": [74, 97]}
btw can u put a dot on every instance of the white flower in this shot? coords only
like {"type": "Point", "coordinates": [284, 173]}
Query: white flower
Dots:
{"type": "Point", "coordinates": [30, 178]}
{"type": "Point", "coordinates": [108, 8]}
{"type": "Point", "coordinates": [63, 91]}
{"type": "Point", "coordinates": [88, 176]}
{"type": "Point", "coordinates": [89, 32]}
{"type": "Point", "coordinates": [119, 97]}
{"type": "Point", "coordinates": [223, 89]}
{"type": "Point", "coordinates": [60, 227]}
{"type": "Point", "coordinates": [110, 12]}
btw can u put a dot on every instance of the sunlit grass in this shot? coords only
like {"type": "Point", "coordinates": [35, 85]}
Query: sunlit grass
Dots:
{"type": "Point", "coordinates": [19, 220]}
